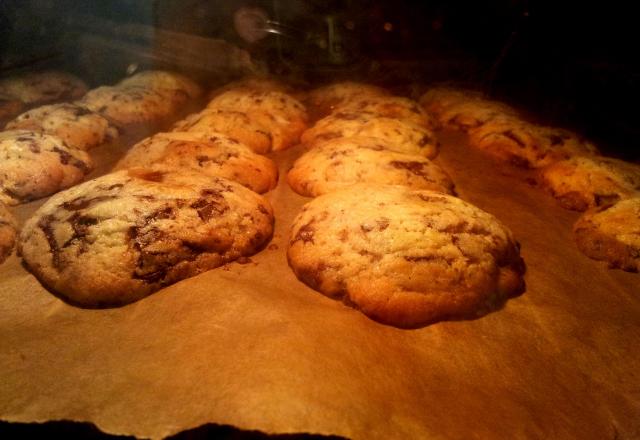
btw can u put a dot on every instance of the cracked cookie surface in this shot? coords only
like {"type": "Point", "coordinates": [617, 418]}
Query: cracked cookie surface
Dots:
{"type": "Point", "coordinates": [405, 257]}
{"type": "Point", "coordinates": [284, 115]}
{"type": "Point", "coordinates": [528, 145]}
{"type": "Point", "coordinates": [43, 87]}
{"type": "Point", "coordinates": [325, 99]}
{"type": "Point", "coordinates": [391, 107]}
{"type": "Point", "coordinates": [234, 124]}
{"type": "Point", "coordinates": [584, 182]}
{"type": "Point", "coordinates": [125, 235]}
{"type": "Point", "coordinates": [35, 165]}
{"type": "Point", "coordinates": [212, 154]}
{"type": "Point", "coordinates": [331, 167]}
{"type": "Point", "coordinates": [405, 134]}
{"type": "Point", "coordinates": [162, 80]}
{"type": "Point", "coordinates": [129, 105]}
{"type": "Point", "coordinates": [77, 126]}
{"type": "Point", "coordinates": [611, 234]}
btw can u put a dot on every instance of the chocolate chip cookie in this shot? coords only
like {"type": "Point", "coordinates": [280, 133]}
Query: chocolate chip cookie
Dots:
{"type": "Point", "coordinates": [390, 107]}
{"type": "Point", "coordinates": [373, 143]}
{"type": "Point", "coordinates": [528, 145]}
{"type": "Point", "coordinates": [405, 257]}
{"type": "Point", "coordinates": [129, 105]}
{"type": "Point", "coordinates": [213, 155]}
{"type": "Point", "coordinates": [118, 238]}
{"type": "Point", "coordinates": [236, 125]}
{"type": "Point", "coordinates": [285, 117]}
{"type": "Point", "coordinates": [43, 87]}
{"type": "Point", "coordinates": [584, 182]}
{"type": "Point", "coordinates": [394, 131]}
{"type": "Point", "coordinates": [77, 126]}
{"type": "Point", "coordinates": [164, 81]}
{"type": "Point", "coordinates": [469, 114]}
{"type": "Point", "coordinates": [7, 232]}
{"type": "Point", "coordinates": [35, 165]}
{"type": "Point", "coordinates": [332, 167]}
{"type": "Point", "coordinates": [611, 233]}
{"type": "Point", "coordinates": [437, 99]}
{"type": "Point", "coordinates": [323, 100]}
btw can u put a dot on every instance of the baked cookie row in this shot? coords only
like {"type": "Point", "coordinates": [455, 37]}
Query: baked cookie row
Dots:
{"type": "Point", "coordinates": [179, 203]}
{"type": "Point", "coordinates": [567, 166]}
{"type": "Point", "coordinates": [385, 235]}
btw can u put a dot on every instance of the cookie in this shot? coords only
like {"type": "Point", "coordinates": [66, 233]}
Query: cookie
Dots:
{"type": "Point", "coordinates": [389, 130]}
{"type": "Point", "coordinates": [584, 182]}
{"type": "Point", "coordinates": [253, 84]}
{"type": "Point", "coordinates": [118, 238]}
{"type": "Point", "coordinates": [323, 100]}
{"type": "Point", "coordinates": [469, 114]}
{"type": "Point", "coordinates": [372, 143]}
{"type": "Point", "coordinates": [215, 155]}
{"type": "Point", "coordinates": [528, 145]}
{"type": "Point", "coordinates": [129, 105]}
{"type": "Point", "coordinates": [77, 126]}
{"type": "Point", "coordinates": [43, 87]}
{"type": "Point", "coordinates": [333, 167]}
{"type": "Point", "coordinates": [438, 99]}
{"type": "Point", "coordinates": [164, 81]}
{"type": "Point", "coordinates": [611, 233]}
{"type": "Point", "coordinates": [405, 257]}
{"type": "Point", "coordinates": [8, 233]}
{"type": "Point", "coordinates": [35, 165]}
{"type": "Point", "coordinates": [389, 107]}
{"type": "Point", "coordinates": [236, 125]}
{"type": "Point", "coordinates": [285, 116]}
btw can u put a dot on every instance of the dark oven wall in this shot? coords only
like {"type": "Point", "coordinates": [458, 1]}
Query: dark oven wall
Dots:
{"type": "Point", "coordinates": [572, 64]}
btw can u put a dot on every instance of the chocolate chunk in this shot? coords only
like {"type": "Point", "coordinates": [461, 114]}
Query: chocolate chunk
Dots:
{"type": "Point", "coordinates": [207, 208]}
{"type": "Point", "coordinates": [150, 176]}
{"type": "Point", "coordinates": [416, 168]}
{"type": "Point", "coordinates": [81, 111]}
{"type": "Point", "coordinates": [425, 140]}
{"type": "Point", "coordinates": [305, 233]}
{"type": "Point", "coordinates": [45, 224]}
{"type": "Point", "coordinates": [510, 135]}
{"type": "Point", "coordinates": [84, 202]}
{"type": "Point", "coordinates": [263, 210]}
{"type": "Point", "coordinates": [80, 225]}
{"type": "Point", "coordinates": [68, 159]}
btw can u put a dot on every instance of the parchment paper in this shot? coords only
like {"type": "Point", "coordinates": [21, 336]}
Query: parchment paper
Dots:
{"type": "Point", "coordinates": [250, 346]}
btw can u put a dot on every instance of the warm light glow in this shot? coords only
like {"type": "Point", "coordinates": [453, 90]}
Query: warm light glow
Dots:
{"type": "Point", "coordinates": [388, 26]}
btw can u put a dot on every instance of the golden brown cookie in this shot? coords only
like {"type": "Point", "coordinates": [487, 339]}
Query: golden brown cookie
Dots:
{"type": "Point", "coordinates": [389, 130]}
{"type": "Point", "coordinates": [438, 99]}
{"type": "Point", "coordinates": [35, 165]}
{"type": "Point", "coordinates": [528, 145]}
{"type": "Point", "coordinates": [77, 126]}
{"type": "Point", "coordinates": [584, 182]}
{"type": "Point", "coordinates": [611, 233]}
{"type": "Point", "coordinates": [253, 84]}
{"type": "Point", "coordinates": [129, 105]}
{"type": "Point", "coordinates": [333, 167]}
{"type": "Point", "coordinates": [165, 81]}
{"type": "Point", "coordinates": [470, 114]}
{"type": "Point", "coordinates": [323, 100]}
{"type": "Point", "coordinates": [404, 257]}
{"type": "Point", "coordinates": [285, 116]}
{"type": "Point", "coordinates": [43, 87]}
{"type": "Point", "coordinates": [118, 238]}
{"type": "Point", "coordinates": [236, 125]}
{"type": "Point", "coordinates": [391, 107]}
{"type": "Point", "coordinates": [8, 227]}
{"type": "Point", "coordinates": [214, 155]}
{"type": "Point", "coordinates": [373, 143]}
